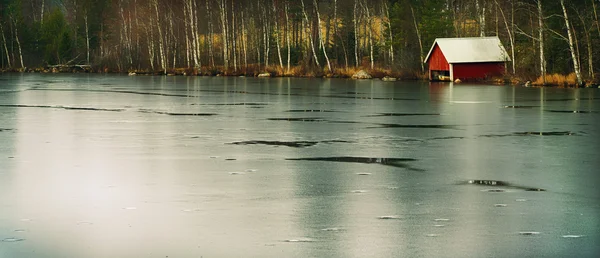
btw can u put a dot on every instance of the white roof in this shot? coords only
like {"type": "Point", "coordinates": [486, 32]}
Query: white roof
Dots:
{"type": "Point", "coordinates": [471, 50]}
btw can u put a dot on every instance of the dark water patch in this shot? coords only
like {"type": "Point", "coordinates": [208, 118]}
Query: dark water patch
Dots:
{"type": "Point", "coordinates": [549, 133]}
{"type": "Point", "coordinates": [119, 91]}
{"type": "Point", "coordinates": [367, 97]}
{"type": "Point", "coordinates": [529, 233]}
{"type": "Point", "coordinates": [337, 141]}
{"type": "Point", "coordinates": [233, 104]}
{"type": "Point", "coordinates": [294, 144]}
{"type": "Point", "coordinates": [393, 162]}
{"type": "Point", "coordinates": [403, 114]}
{"type": "Point", "coordinates": [66, 108]}
{"type": "Point", "coordinates": [502, 184]}
{"type": "Point", "coordinates": [414, 126]}
{"type": "Point", "coordinates": [175, 114]}
{"type": "Point", "coordinates": [389, 217]}
{"type": "Point", "coordinates": [298, 119]}
{"type": "Point", "coordinates": [448, 138]}
{"type": "Point", "coordinates": [6, 130]}
{"type": "Point", "coordinates": [310, 111]}
{"type": "Point", "coordinates": [521, 106]}
{"type": "Point", "coordinates": [571, 111]}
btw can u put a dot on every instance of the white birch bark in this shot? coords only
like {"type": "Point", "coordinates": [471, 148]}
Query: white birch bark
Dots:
{"type": "Point", "coordinates": [481, 15]}
{"type": "Point", "coordinates": [18, 41]}
{"type": "Point", "coordinates": [419, 38]}
{"type": "Point", "coordinates": [320, 36]}
{"type": "Point", "coordinates": [287, 35]}
{"type": "Point", "coordinates": [161, 46]}
{"type": "Point", "coordinates": [277, 36]}
{"type": "Point", "coordinates": [391, 37]}
{"type": "Point", "coordinates": [87, 37]}
{"type": "Point", "coordinates": [223, 9]}
{"type": "Point", "coordinates": [370, 34]}
{"type": "Point", "coordinates": [571, 46]}
{"type": "Point", "coordinates": [510, 36]}
{"type": "Point", "coordinates": [541, 41]}
{"type": "Point", "coordinates": [310, 38]}
{"type": "Point", "coordinates": [355, 21]}
{"type": "Point", "coordinates": [233, 37]}
{"type": "Point", "coordinates": [5, 46]}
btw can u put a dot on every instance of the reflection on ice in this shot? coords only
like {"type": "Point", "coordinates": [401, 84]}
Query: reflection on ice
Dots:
{"type": "Point", "coordinates": [13, 239]}
{"type": "Point", "coordinates": [394, 162]}
{"type": "Point", "coordinates": [299, 240]}
{"type": "Point", "coordinates": [572, 236]}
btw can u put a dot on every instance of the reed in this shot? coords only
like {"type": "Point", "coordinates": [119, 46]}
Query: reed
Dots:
{"type": "Point", "coordinates": [556, 79]}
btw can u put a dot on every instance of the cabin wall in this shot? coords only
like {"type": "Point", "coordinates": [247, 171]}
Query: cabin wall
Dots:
{"type": "Point", "coordinates": [437, 60]}
{"type": "Point", "coordinates": [471, 71]}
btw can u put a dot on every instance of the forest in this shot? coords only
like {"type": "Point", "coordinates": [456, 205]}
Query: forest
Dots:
{"type": "Point", "coordinates": [548, 41]}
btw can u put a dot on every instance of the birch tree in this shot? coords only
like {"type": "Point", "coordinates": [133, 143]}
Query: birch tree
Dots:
{"type": "Point", "coordinates": [571, 44]}
{"type": "Point", "coordinates": [541, 41]}
{"type": "Point", "coordinates": [316, 5]}
{"type": "Point", "coordinates": [310, 38]}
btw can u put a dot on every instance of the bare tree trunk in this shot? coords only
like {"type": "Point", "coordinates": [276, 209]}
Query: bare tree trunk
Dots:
{"type": "Point", "coordinates": [320, 36]}
{"type": "Point", "coordinates": [150, 38]}
{"type": "Point", "coordinates": [355, 21]}
{"type": "Point", "coordinates": [266, 37]}
{"type": "Point", "coordinates": [312, 46]}
{"type": "Point", "coordinates": [5, 46]}
{"type": "Point", "coordinates": [369, 30]}
{"type": "Point", "coordinates": [18, 41]}
{"type": "Point", "coordinates": [541, 41]}
{"type": "Point", "coordinates": [510, 36]}
{"type": "Point", "coordinates": [87, 37]}
{"type": "Point", "coordinates": [481, 15]}
{"type": "Point", "coordinates": [188, 41]}
{"type": "Point", "coordinates": [588, 40]}
{"type": "Point", "coordinates": [210, 35]}
{"type": "Point", "coordinates": [287, 35]}
{"type": "Point", "coordinates": [196, 37]}
{"type": "Point", "coordinates": [389, 23]}
{"type": "Point", "coordinates": [571, 47]}
{"type": "Point", "coordinates": [596, 16]}
{"type": "Point", "coordinates": [244, 40]}
{"type": "Point", "coordinates": [161, 45]}
{"type": "Point", "coordinates": [277, 34]}
{"type": "Point", "coordinates": [42, 13]}
{"type": "Point", "coordinates": [233, 37]}
{"type": "Point", "coordinates": [223, 8]}
{"type": "Point", "coordinates": [419, 38]}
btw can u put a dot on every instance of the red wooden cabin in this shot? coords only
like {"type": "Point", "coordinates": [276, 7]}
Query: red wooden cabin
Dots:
{"type": "Point", "coordinates": [466, 59]}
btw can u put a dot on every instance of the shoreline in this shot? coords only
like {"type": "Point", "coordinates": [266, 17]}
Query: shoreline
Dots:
{"type": "Point", "coordinates": [297, 72]}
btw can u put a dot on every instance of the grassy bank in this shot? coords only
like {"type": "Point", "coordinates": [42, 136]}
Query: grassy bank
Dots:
{"type": "Point", "coordinates": [551, 80]}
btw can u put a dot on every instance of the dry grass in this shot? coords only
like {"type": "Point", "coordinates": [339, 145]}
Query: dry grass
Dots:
{"type": "Point", "coordinates": [557, 80]}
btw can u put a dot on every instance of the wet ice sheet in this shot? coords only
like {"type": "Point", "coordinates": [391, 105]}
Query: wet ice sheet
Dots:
{"type": "Point", "coordinates": [304, 175]}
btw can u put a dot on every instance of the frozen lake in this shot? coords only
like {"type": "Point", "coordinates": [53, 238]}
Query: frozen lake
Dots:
{"type": "Point", "coordinates": [118, 166]}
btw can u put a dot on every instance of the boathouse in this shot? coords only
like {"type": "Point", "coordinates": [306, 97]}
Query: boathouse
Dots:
{"type": "Point", "coordinates": [466, 58]}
